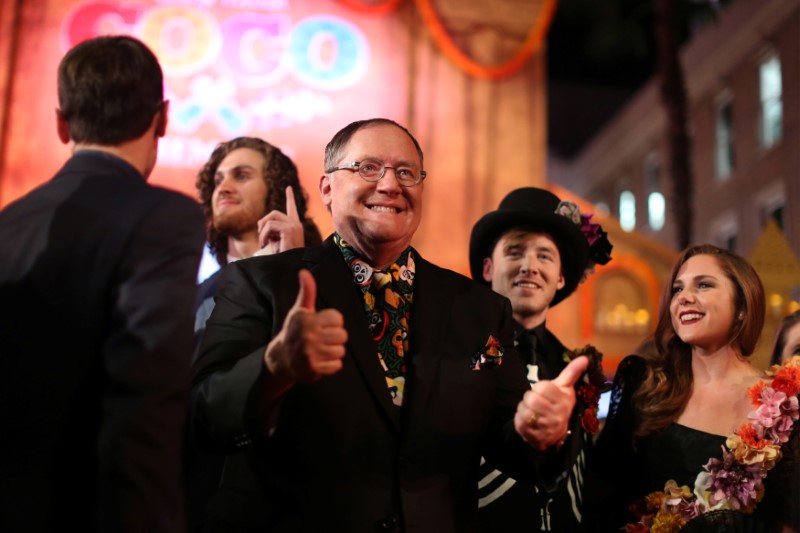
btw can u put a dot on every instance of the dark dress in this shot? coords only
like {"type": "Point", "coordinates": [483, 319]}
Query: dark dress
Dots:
{"type": "Point", "coordinates": [618, 475]}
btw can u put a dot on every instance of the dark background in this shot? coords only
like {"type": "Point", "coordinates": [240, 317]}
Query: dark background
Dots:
{"type": "Point", "coordinates": [599, 53]}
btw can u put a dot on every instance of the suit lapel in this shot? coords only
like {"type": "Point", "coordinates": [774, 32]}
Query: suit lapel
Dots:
{"type": "Point", "coordinates": [335, 290]}
{"type": "Point", "coordinates": [429, 315]}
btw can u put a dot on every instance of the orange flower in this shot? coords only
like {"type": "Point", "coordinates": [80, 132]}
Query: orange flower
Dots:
{"type": "Point", "coordinates": [667, 523]}
{"type": "Point", "coordinates": [755, 393]}
{"type": "Point", "coordinates": [787, 380]}
{"type": "Point", "coordinates": [765, 453]}
{"type": "Point", "coordinates": [655, 500]}
{"type": "Point", "coordinates": [589, 420]}
{"type": "Point", "coordinates": [750, 436]}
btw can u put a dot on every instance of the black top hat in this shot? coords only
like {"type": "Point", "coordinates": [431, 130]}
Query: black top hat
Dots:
{"type": "Point", "coordinates": [533, 209]}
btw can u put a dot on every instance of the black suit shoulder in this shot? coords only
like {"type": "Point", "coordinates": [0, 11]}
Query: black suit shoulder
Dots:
{"type": "Point", "coordinates": [100, 270]}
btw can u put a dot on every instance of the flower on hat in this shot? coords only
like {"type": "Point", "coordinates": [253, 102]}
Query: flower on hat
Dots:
{"type": "Point", "coordinates": [597, 239]}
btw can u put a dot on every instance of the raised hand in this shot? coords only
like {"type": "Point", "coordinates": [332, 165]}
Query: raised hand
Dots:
{"type": "Point", "coordinates": [278, 232]}
{"type": "Point", "coordinates": [542, 417]}
{"type": "Point", "coordinates": [311, 343]}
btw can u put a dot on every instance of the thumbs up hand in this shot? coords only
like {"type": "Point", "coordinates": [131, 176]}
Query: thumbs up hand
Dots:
{"type": "Point", "coordinates": [311, 343]}
{"type": "Point", "coordinates": [542, 417]}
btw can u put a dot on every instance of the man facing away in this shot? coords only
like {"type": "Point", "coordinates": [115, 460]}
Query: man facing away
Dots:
{"type": "Point", "coordinates": [355, 385]}
{"type": "Point", "coordinates": [254, 205]}
{"type": "Point", "coordinates": [97, 280]}
{"type": "Point", "coordinates": [535, 256]}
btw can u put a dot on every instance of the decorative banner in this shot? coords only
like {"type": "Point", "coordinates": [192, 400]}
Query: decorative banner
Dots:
{"type": "Point", "coordinates": [230, 71]}
{"type": "Point", "coordinates": [532, 45]}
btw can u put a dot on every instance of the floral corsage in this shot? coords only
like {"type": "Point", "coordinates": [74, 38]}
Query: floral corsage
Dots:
{"type": "Point", "coordinates": [592, 384]}
{"type": "Point", "coordinates": [599, 245]}
{"type": "Point", "coordinates": [735, 482]}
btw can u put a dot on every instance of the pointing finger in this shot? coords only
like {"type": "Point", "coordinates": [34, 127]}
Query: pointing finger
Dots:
{"type": "Point", "coordinates": [291, 206]}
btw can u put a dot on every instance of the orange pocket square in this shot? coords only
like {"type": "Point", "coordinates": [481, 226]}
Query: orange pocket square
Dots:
{"type": "Point", "coordinates": [489, 356]}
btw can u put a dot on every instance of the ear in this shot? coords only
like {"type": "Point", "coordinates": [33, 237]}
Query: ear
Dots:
{"type": "Point", "coordinates": [162, 120]}
{"type": "Point", "coordinates": [325, 190]}
{"type": "Point", "coordinates": [561, 281]}
{"type": "Point", "coordinates": [488, 269]}
{"type": "Point", "coordinates": [62, 127]}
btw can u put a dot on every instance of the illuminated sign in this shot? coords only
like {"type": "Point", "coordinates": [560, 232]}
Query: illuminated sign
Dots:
{"type": "Point", "coordinates": [238, 69]}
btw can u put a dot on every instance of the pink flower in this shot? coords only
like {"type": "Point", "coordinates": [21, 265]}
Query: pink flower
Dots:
{"type": "Point", "coordinates": [769, 410]}
{"type": "Point", "coordinates": [589, 230]}
{"type": "Point", "coordinates": [569, 210]}
{"type": "Point", "coordinates": [781, 428]}
{"type": "Point", "coordinates": [791, 407]}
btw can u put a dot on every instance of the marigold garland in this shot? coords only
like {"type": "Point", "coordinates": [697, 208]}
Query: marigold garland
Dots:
{"type": "Point", "coordinates": [382, 8]}
{"type": "Point", "coordinates": [532, 45]}
{"type": "Point", "coordinates": [735, 482]}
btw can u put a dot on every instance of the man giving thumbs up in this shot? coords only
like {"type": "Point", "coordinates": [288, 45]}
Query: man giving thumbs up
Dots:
{"type": "Point", "coordinates": [354, 385]}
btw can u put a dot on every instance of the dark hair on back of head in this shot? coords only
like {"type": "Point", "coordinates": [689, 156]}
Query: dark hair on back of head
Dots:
{"type": "Point", "coordinates": [109, 90]}
{"type": "Point", "coordinates": [787, 323]}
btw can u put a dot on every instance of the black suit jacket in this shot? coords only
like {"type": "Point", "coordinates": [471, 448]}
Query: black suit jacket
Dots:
{"type": "Point", "coordinates": [97, 281]}
{"type": "Point", "coordinates": [340, 456]}
{"type": "Point", "coordinates": [518, 506]}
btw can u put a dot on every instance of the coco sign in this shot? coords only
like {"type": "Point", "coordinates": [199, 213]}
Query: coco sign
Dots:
{"type": "Point", "coordinates": [256, 49]}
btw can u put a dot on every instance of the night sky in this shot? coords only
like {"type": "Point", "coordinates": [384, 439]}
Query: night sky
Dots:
{"type": "Point", "coordinates": [599, 53]}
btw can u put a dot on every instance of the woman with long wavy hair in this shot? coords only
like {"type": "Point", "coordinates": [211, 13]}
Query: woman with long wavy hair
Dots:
{"type": "Point", "coordinates": [698, 438]}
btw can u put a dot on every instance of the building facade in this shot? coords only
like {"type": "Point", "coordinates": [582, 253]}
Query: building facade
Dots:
{"type": "Point", "coordinates": [743, 84]}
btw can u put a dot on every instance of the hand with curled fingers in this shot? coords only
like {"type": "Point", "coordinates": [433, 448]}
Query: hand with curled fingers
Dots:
{"type": "Point", "coordinates": [311, 343]}
{"type": "Point", "coordinates": [542, 418]}
{"type": "Point", "coordinates": [278, 232]}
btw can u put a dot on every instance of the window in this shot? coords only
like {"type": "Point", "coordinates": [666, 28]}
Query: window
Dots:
{"type": "Point", "coordinates": [730, 243]}
{"type": "Point", "coordinates": [725, 231]}
{"type": "Point", "coordinates": [771, 202]}
{"type": "Point", "coordinates": [777, 215]}
{"type": "Point", "coordinates": [770, 91]}
{"type": "Point", "coordinates": [656, 210]}
{"type": "Point", "coordinates": [627, 211]}
{"type": "Point", "coordinates": [724, 156]}
{"type": "Point", "coordinates": [656, 205]}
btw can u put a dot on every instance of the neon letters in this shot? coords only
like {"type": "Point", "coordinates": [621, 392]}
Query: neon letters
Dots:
{"type": "Point", "coordinates": [257, 49]}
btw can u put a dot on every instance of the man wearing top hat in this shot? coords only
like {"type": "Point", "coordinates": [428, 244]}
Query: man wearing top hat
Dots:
{"type": "Point", "coordinates": [536, 257]}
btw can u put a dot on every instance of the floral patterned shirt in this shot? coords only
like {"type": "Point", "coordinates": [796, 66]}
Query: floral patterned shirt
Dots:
{"type": "Point", "coordinates": [388, 295]}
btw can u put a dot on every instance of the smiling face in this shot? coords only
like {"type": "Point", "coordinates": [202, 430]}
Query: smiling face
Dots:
{"type": "Point", "coordinates": [379, 218]}
{"type": "Point", "coordinates": [703, 306]}
{"type": "Point", "coordinates": [240, 193]}
{"type": "Point", "coordinates": [525, 267]}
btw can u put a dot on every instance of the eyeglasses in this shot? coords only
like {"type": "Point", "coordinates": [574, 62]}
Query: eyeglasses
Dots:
{"type": "Point", "coordinates": [372, 171]}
